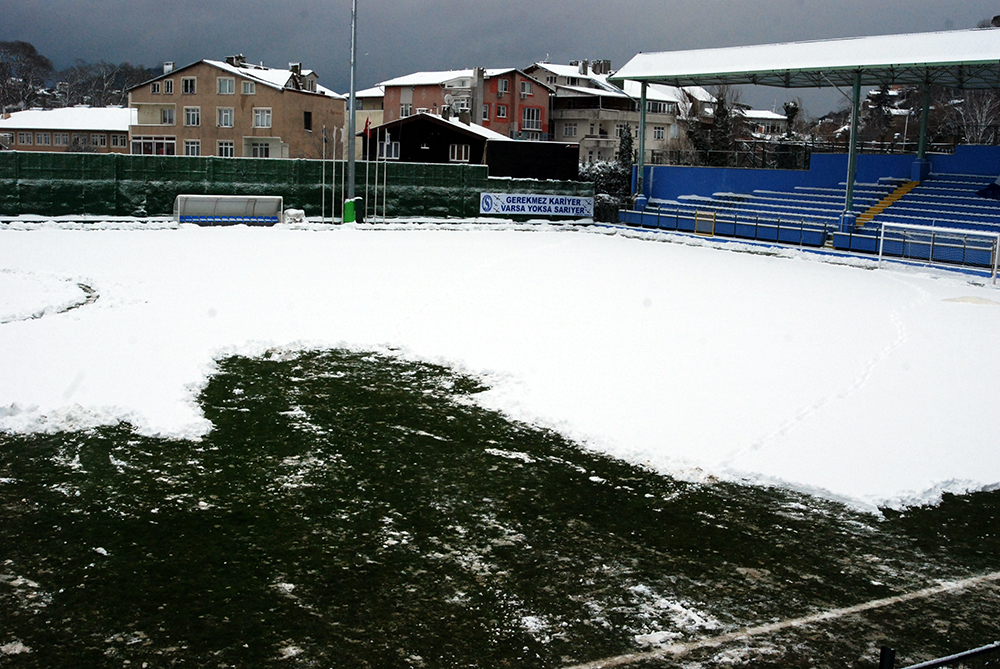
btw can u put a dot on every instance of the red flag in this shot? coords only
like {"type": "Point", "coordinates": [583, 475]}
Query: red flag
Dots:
{"type": "Point", "coordinates": [368, 127]}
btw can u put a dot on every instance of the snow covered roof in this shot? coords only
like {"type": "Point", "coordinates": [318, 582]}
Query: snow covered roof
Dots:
{"type": "Point", "coordinates": [275, 78]}
{"type": "Point", "coordinates": [373, 92]}
{"type": "Point", "coordinates": [470, 128]}
{"type": "Point", "coordinates": [110, 119]}
{"type": "Point", "coordinates": [955, 58]}
{"type": "Point", "coordinates": [440, 78]}
{"type": "Point", "coordinates": [763, 115]}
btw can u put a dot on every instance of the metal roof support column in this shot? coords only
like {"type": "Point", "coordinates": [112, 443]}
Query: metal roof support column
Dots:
{"type": "Point", "coordinates": [847, 219]}
{"type": "Point", "coordinates": [924, 114]}
{"type": "Point", "coordinates": [640, 199]}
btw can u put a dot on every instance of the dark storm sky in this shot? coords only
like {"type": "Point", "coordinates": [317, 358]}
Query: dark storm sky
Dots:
{"type": "Point", "coordinates": [396, 38]}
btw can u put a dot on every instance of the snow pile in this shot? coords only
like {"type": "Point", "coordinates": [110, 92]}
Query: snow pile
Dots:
{"type": "Point", "coordinates": [869, 386]}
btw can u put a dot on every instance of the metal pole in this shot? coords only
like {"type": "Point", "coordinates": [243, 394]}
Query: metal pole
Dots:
{"type": "Point", "coordinates": [322, 188]}
{"type": "Point", "coordinates": [640, 187]}
{"type": "Point", "coordinates": [852, 156]}
{"type": "Point", "coordinates": [924, 114]}
{"type": "Point", "coordinates": [352, 101]}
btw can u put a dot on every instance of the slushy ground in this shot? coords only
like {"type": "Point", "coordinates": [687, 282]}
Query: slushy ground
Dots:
{"type": "Point", "coordinates": [350, 509]}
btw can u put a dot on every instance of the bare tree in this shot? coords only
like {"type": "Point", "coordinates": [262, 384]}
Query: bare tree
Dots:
{"type": "Point", "coordinates": [100, 84]}
{"type": "Point", "coordinates": [23, 75]}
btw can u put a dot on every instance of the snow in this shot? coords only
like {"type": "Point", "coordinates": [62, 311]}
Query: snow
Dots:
{"type": "Point", "coordinates": [114, 119]}
{"type": "Point", "coordinates": [700, 359]}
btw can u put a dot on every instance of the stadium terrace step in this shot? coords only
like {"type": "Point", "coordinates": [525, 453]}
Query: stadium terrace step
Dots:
{"type": "Point", "coordinates": [885, 202]}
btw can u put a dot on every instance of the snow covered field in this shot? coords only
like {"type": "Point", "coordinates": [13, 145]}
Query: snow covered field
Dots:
{"type": "Point", "coordinates": [699, 360]}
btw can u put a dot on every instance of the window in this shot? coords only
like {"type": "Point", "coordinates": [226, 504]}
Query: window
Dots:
{"type": "Point", "coordinates": [531, 118]}
{"type": "Point", "coordinates": [262, 117]}
{"type": "Point", "coordinates": [620, 129]}
{"type": "Point", "coordinates": [653, 107]}
{"type": "Point", "coordinates": [674, 131]}
{"type": "Point", "coordinates": [551, 79]}
{"type": "Point", "coordinates": [99, 140]}
{"type": "Point", "coordinates": [153, 146]}
{"type": "Point", "coordinates": [226, 149]}
{"type": "Point", "coordinates": [192, 116]}
{"type": "Point", "coordinates": [659, 132]}
{"type": "Point", "coordinates": [167, 116]}
{"type": "Point", "coordinates": [486, 112]}
{"type": "Point", "coordinates": [458, 153]}
{"type": "Point", "coordinates": [226, 115]}
{"type": "Point", "coordinates": [24, 138]}
{"type": "Point", "coordinates": [525, 88]}
{"type": "Point", "coordinates": [249, 88]}
{"type": "Point", "coordinates": [189, 85]}
{"type": "Point", "coordinates": [168, 86]}
{"type": "Point", "coordinates": [192, 147]}
{"type": "Point", "coordinates": [405, 110]}
{"type": "Point", "coordinates": [79, 139]}
{"type": "Point", "coordinates": [388, 150]}
{"type": "Point", "coordinates": [501, 111]}
{"type": "Point", "coordinates": [227, 85]}
{"type": "Point", "coordinates": [260, 150]}
{"type": "Point", "coordinates": [569, 129]}
{"type": "Point", "coordinates": [307, 120]}
{"type": "Point", "coordinates": [62, 139]}
{"type": "Point", "coordinates": [119, 141]}
{"type": "Point", "coordinates": [154, 88]}
{"type": "Point", "coordinates": [503, 86]}
{"type": "Point", "coordinates": [43, 139]}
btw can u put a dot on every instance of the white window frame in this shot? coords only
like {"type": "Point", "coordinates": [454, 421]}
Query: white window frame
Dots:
{"type": "Point", "coordinates": [486, 112]}
{"type": "Point", "coordinates": [26, 138]}
{"type": "Point", "coordinates": [167, 116]}
{"type": "Point", "coordinates": [224, 114]}
{"type": "Point", "coordinates": [570, 129]}
{"type": "Point", "coordinates": [119, 141]}
{"type": "Point", "coordinates": [249, 88]}
{"type": "Point", "coordinates": [226, 85]}
{"type": "Point", "coordinates": [526, 88]}
{"type": "Point", "coordinates": [154, 88]}
{"type": "Point", "coordinates": [60, 139]}
{"type": "Point", "coordinates": [225, 148]}
{"type": "Point", "coordinates": [43, 139]}
{"type": "Point", "coordinates": [189, 85]}
{"type": "Point", "coordinates": [531, 118]}
{"type": "Point", "coordinates": [393, 150]}
{"type": "Point", "coordinates": [659, 132]}
{"type": "Point", "coordinates": [503, 86]}
{"type": "Point", "coordinates": [458, 153]}
{"type": "Point", "coordinates": [262, 117]}
{"type": "Point", "coordinates": [192, 117]}
{"type": "Point", "coordinates": [405, 109]}
{"type": "Point", "coordinates": [192, 147]}
{"type": "Point", "coordinates": [168, 86]}
{"type": "Point", "coordinates": [98, 139]}
{"type": "Point", "coordinates": [260, 149]}
{"type": "Point", "coordinates": [501, 111]}
{"type": "Point", "coordinates": [168, 145]}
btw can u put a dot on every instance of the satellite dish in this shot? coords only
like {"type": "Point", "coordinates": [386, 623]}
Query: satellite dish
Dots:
{"type": "Point", "coordinates": [449, 98]}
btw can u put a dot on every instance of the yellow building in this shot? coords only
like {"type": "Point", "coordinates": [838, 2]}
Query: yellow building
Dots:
{"type": "Point", "coordinates": [235, 109]}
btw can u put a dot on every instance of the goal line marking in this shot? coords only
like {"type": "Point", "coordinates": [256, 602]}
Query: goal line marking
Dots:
{"type": "Point", "coordinates": [747, 632]}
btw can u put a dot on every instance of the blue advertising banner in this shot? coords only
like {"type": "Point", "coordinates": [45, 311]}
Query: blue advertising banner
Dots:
{"type": "Point", "coordinates": [540, 205]}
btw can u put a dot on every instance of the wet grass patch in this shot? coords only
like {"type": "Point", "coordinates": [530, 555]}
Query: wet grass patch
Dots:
{"type": "Point", "coordinates": [351, 509]}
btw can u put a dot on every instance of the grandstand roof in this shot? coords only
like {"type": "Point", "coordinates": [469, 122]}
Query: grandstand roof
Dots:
{"type": "Point", "coordinates": [955, 58]}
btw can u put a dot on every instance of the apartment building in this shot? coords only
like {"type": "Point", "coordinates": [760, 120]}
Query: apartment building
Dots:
{"type": "Point", "coordinates": [589, 110]}
{"type": "Point", "coordinates": [235, 109]}
{"type": "Point", "coordinates": [507, 101]}
{"type": "Point", "coordinates": [82, 129]}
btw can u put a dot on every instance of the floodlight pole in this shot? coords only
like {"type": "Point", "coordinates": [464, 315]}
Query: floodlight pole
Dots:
{"type": "Point", "coordinates": [351, 114]}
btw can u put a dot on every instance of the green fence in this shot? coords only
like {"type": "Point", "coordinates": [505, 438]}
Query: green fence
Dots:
{"type": "Point", "coordinates": [55, 184]}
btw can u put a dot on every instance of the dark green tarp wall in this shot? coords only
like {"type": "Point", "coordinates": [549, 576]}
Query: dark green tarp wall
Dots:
{"type": "Point", "coordinates": [56, 184]}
